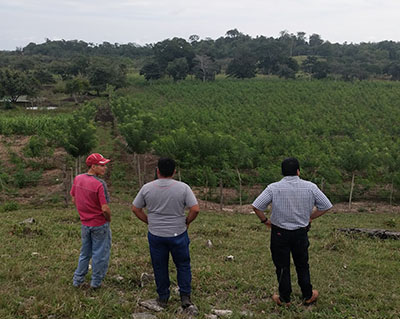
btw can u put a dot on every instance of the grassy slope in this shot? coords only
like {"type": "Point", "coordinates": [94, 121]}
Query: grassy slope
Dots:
{"type": "Point", "coordinates": [357, 277]}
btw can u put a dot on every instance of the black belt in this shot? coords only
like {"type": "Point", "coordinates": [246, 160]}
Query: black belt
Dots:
{"type": "Point", "coordinates": [307, 228]}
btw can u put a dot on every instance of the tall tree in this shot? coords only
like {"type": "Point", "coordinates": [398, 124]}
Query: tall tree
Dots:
{"type": "Point", "coordinates": [178, 69]}
{"type": "Point", "coordinates": [151, 71]}
{"type": "Point", "coordinates": [13, 84]}
{"type": "Point", "coordinates": [205, 68]}
{"type": "Point", "coordinates": [243, 64]}
{"type": "Point", "coordinates": [169, 50]}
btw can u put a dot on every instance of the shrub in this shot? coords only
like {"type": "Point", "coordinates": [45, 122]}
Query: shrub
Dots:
{"type": "Point", "coordinates": [9, 206]}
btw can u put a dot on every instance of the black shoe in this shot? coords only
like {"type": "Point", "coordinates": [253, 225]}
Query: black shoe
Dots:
{"type": "Point", "coordinates": [162, 302]}
{"type": "Point", "coordinates": [185, 301]}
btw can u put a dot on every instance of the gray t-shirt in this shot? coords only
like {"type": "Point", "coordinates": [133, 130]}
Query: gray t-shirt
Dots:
{"type": "Point", "coordinates": [165, 200]}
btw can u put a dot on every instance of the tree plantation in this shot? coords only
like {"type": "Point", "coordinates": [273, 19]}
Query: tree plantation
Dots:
{"type": "Point", "coordinates": [228, 110]}
{"type": "Point", "coordinates": [340, 131]}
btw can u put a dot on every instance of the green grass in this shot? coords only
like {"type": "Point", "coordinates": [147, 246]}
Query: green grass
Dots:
{"type": "Point", "coordinates": [358, 277]}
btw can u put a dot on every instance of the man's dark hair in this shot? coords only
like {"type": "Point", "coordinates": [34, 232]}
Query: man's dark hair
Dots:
{"type": "Point", "coordinates": [290, 166]}
{"type": "Point", "coordinates": [166, 166]}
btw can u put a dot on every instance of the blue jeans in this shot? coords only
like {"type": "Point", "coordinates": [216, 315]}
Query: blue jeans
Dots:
{"type": "Point", "coordinates": [96, 244]}
{"type": "Point", "coordinates": [178, 246]}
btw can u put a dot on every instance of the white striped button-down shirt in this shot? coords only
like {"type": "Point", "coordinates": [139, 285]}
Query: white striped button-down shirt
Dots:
{"type": "Point", "coordinates": [293, 200]}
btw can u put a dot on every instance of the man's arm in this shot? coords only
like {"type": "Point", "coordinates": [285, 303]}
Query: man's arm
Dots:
{"type": "Point", "coordinates": [193, 212]}
{"type": "Point", "coordinates": [262, 216]}
{"type": "Point", "coordinates": [140, 214]}
{"type": "Point", "coordinates": [106, 212]}
{"type": "Point", "coordinates": [317, 213]}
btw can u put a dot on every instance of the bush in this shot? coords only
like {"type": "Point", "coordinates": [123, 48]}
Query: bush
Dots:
{"type": "Point", "coordinates": [9, 206]}
{"type": "Point", "coordinates": [23, 178]}
{"type": "Point", "coordinates": [35, 146]}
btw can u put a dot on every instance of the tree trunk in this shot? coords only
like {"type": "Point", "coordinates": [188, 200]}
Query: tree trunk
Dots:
{"type": "Point", "coordinates": [76, 166]}
{"type": "Point", "coordinates": [144, 170]}
{"type": "Point", "coordinates": [79, 164]}
{"type": "Point", "coordinates": [221, 194]}
{"type": "Point", "coordinates": [351, 190]}
{"type": "Point", "coordinates": [206, 197]}
{"type": "Point", "coordinates": [139, 171]}
{"type": "Point", "coordinates": [240, 189]}
{"type": "Point", "coordinates": [322, 184]}
{"type": "Point", "coordinates": [391, 193]}
{"type": "Point", "coordinates": [67, 185]}
{"type": "Point", "coordinates": [71, 175]}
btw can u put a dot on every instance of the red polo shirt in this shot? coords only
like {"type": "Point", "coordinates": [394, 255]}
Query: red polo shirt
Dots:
{"type": "Point", "coordinates": [90, 194]}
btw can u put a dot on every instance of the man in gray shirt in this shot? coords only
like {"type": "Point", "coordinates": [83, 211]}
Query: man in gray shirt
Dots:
{"type": "Point", "coordinates": [293, 201]}
{"type": "Point", "coordinates": [165, 200]}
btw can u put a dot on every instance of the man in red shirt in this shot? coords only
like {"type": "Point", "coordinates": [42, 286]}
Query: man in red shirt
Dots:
{"type": "Point", "coordinates": [90, 197]}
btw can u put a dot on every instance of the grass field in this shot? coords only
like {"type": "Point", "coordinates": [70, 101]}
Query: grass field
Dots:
{"type": "Point", "coordinates": [358, 277]}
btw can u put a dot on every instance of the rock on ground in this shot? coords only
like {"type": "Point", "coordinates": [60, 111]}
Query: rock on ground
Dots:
{"type": "Point", "coordinates": [143, 315]}
{"type": "Point", "coordinates": [222, 313]}
{"type": "Point", "coordinates": [151, 304]}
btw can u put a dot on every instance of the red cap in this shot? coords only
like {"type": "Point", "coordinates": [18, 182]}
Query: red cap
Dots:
{"type": "Point", "coordinates": [96, 159]}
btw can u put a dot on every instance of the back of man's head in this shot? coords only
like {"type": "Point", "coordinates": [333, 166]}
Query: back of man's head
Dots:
{"type": "Point", "coordinates": [166, 166]}
{"type": "Point", "coordinates": [290, 166]}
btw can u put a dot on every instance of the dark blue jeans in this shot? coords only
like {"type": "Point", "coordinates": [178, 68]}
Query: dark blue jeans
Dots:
{"type": "Point", "coordinates": [295, 242]}
{"type": "Point", "coordinates": [160, 248]}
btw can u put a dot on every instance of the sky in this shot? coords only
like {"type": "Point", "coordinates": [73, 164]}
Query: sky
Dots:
{"type": "Point", "coordinates": [149, 21]}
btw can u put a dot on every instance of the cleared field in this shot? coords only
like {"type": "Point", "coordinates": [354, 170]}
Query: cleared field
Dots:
{"type": "Point", "coordinates": [357, 276]}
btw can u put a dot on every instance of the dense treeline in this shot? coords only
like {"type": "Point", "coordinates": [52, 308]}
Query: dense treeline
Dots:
{"type": "Point", "coordinates": [79, 68]}
{"type": "Point", "coordinates": [218, 131]}
{"type": "Point", "coordinates": [284, 56]}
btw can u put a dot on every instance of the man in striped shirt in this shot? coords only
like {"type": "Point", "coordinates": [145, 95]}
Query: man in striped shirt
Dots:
{"type": "Point", "coordinates": [293, 201]}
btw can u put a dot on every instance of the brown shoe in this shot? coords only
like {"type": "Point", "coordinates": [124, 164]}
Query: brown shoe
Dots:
{"type": "Point", "coordinates": [278, 301]}
{"type": "Point", "coordinates": [313, 298]}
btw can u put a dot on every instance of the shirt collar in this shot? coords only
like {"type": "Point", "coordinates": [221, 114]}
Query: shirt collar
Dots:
{"type": "Point", "coordinates": [291, 178]}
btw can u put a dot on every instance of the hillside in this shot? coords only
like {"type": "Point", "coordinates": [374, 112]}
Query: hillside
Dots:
{"type": "Point", "coordinates": [229, 133]}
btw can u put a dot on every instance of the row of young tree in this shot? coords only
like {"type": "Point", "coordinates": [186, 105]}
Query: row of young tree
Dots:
{"type": "Point", "coordinates": [235, 133]}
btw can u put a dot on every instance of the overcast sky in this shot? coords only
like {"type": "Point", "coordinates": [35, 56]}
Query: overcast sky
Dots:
{"type": "Point", "coordinates": [150, 21]}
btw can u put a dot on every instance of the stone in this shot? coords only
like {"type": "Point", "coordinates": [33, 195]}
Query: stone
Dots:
{"type": "Point", "coordinates": [246, 313]}
{"type": "Point", "coordinates": [222, 313]}
{"type": "Point", "coordinates": [191, 311]}
{"type": "Point", "coordinates": [230, 258]}
{"type": "Point", "coordinates": [145, 279]}
{"type": "Point", "coordinates": [143, 315]}
{"type": "Point", "coordinates": [151, 304]}
{"type": "Point", "coordinates": [30, 220]}
{"type": "Point", "coordinates": [175, 290]}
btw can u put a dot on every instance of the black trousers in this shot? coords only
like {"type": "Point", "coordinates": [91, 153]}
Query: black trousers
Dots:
{"type": "Point", "coordinates": [283, 243]}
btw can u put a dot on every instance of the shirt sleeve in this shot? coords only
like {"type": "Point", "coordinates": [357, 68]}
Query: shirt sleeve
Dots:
{"type": "Point", "coordinates": [321, 201]}
{"type": "Point", "coordinates": [263, 200]}
{"type": "Point", "coordinates": [102, 194]}
{"type": "Point", "coordinates": [139, 201]}
{"type": "Point", "coordinates": [190, 198]}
